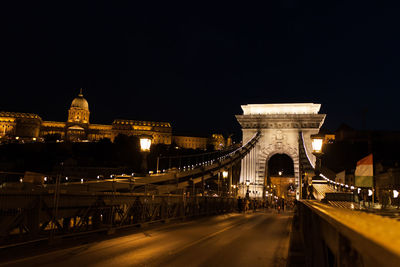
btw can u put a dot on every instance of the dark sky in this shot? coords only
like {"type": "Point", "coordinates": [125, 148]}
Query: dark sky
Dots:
{"type": "Point", "coordinates": [195, 64]}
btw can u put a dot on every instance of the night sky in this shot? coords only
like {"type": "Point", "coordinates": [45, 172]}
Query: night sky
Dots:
{"type": "Point", "coordinates": [193, 65]}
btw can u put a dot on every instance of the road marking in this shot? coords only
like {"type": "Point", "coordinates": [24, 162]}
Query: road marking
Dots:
{"type": "Point", "coordinates": [206, 237]}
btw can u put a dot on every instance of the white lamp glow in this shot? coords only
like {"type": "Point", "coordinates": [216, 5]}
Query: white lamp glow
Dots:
{"type": "Point", "coordinates": [145, 143]}
{"type": "Point", "coordinates": [317, 145]}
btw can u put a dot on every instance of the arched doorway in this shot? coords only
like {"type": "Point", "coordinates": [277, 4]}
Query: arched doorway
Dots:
{"type": "Point", "coordinates": [280, 177]}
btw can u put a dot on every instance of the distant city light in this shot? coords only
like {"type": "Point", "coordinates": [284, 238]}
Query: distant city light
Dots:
{"type": "Point", "coordinates": [369, 192]}
{"type": "Point", "coordinates": [395, 193]}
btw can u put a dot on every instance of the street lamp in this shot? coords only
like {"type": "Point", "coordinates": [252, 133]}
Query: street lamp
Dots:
{"type": "Point", "coordinates": [317, 142]}
{"type": "Point", "coordinates": [225, 176]}
{"type": "Point", "coordinates": [247, 192]}
{"type": "Point", "coordinates": [145, 144]}
{"type": "Point", "coordinates": [234, 190]}
{"type": "Point", "coordinates": [396, 195]}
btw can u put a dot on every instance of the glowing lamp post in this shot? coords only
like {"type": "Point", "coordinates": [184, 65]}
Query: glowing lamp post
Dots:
{"type": "Point", "coordinates": [317, 142]}
{"type": "Point", "coordinates": [234, 190]}
{"type": "Point", "coordinates": [225, 176]}
{"type": "Point", "coordinates": [395, 193]}
{"type": "Point", "coordinates": [247, 192]}
{"type": "Point", "coordinates": [145, 144]}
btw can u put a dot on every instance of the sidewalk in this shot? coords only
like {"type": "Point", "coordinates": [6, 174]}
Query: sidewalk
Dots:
{"type": "Point", "coordinates": [376, 208]}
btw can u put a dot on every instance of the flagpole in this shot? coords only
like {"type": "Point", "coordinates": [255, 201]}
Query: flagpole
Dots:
{"type": "Point", "coordinates": [373, 183]}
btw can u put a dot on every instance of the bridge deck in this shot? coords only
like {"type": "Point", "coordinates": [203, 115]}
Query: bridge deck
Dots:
{"type": "Point", "coordinates": [253, 239]}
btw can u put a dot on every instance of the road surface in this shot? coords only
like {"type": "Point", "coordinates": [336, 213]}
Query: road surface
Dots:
{"type": "Point", "coordinates": [252, 239]}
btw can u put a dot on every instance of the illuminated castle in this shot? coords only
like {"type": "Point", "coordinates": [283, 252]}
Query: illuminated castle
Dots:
{"type": "Point", "coordinates": [27, 126]}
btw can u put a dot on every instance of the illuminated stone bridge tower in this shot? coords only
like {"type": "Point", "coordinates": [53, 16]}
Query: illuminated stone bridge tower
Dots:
{"type": "Point", "coordinates": [280, 125]}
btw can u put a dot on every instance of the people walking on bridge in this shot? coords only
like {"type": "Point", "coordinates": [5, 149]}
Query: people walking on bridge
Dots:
{"type": "Point", "coordinates": [279, 205]}
{"type": "Point", "coordinates": [310, 191]}
{"type": "Point", "coordinates": [385, 197]}
{"type": "Point", "coordinates": [246, 205]}
{"type": "Point", "coordinates": [365, 197]}
{"type": "Point", "coordinates": [240, 204]}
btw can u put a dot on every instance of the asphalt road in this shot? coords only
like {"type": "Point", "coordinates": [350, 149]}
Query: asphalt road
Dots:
{"type": "Point", "coordinates": [253, 239]}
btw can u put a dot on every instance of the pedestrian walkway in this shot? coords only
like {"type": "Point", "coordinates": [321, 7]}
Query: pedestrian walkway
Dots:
{"type": "Point", "coordinates": [375, 208]}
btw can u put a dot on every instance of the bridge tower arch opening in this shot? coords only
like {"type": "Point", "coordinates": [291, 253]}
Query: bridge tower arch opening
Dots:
{"type": "Point", "coordinates": [280, 126]}
{"type": "Point", "coordinates": [280, 176]}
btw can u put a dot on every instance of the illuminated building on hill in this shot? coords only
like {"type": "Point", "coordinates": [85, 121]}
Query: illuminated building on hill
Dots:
{"type": "Point", "coordinates": [27, 126]}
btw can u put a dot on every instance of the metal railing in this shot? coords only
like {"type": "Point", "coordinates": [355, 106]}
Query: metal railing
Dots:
{"type": "Point", "coordinates": [34, 216]}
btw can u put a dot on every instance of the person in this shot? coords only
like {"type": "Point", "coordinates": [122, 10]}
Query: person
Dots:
{"type": "Point", "coordinates": [240, 204]}
{"type": "Point", "coordinates": [310, 191]}
{"type": "Point", "coordinates": [283, 204]}
{"type": "Point", "coordinates": [385, 199]}
{"type": "Point", "coordinates": [356, 199]}
{"type": "Point", "coordinates": [279, 205]}
{"type": "Point", "coordinates": [364, 194]}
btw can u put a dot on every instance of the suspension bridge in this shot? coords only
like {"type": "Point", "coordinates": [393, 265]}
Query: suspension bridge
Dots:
{"type": "Point", "coordinates": [322, 233]}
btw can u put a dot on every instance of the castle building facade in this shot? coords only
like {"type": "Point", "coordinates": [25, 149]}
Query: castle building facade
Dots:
{"type": "Point", "coordinates": [28, 126]}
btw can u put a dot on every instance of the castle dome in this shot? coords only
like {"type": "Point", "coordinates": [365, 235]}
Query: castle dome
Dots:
{"type": "Point", "coordinates": [80, 102]}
